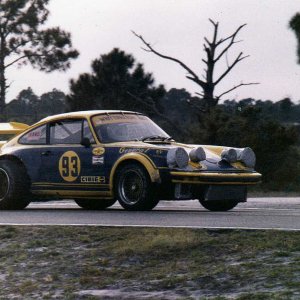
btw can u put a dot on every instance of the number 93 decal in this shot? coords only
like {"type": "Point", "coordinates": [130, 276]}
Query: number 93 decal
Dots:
{"type": "Point", "coordinates": [69, 166]}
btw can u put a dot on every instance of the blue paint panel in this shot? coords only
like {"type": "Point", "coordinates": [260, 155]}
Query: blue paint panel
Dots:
{"type": "Point", "coordinates": [31, 157]}
{"type": "Point", "coordinates": [42, 164]}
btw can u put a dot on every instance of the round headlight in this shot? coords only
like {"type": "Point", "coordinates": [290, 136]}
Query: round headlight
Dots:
{"type": "Point", "coordinates": [229, 155]}
{"type": "Point", "coordinates": [197, 154]}
{"type": "Point", "coordinates": [177, 157]}
{"type": "Point", "coordinates": [247, 156]}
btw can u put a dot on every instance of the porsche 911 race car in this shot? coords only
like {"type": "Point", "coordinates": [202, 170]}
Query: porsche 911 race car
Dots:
{"type": "Point", "coordinates": [99, 157]}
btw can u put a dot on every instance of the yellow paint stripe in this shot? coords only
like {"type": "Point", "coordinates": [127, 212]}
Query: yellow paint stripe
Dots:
{"type": "Point", "coordinates": [217, 175]}
{"type": "Point", "coordinates": [213, 182]}
{"type": "Point", "coordinates": [73, 193]}
{"type": "Point", "coordinates": [69, 184]}
{"type": "Point", "coordinates": [97, 198]}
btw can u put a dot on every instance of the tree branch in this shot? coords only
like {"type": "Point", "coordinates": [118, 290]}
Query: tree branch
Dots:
{"type": "Point", "coordinates": [13, 49]}
{"type": "Point", "coordinates": [235, 87]}
{"type": "Point", "coordinates": [196, 80]}
{"type": "Point", "coordinates": [15, 61]}
{"type": "Point", "coordinates": [150, 49]}
{"type": "Point", "coordinates": [25, 56]}
{"type": "Point", "coordinates": [238, 59]}
{"type": "Point", "coordinates": [207, 41]}
{"type": "Point", "coordinates": [199, 94]}
{"type": "Point", "coordinates": [232, 37]}
{"type": "Point", "coordinates": [216, 25]}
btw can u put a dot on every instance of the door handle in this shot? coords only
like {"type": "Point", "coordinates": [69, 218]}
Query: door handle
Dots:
{"type": "Point", "coordinates": [46, 153]}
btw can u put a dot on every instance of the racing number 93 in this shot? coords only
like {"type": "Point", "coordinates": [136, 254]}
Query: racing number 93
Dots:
{"type": "Point", "coordinates": [69, 166]}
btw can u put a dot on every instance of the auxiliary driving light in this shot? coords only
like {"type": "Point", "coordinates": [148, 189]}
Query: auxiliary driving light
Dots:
{"type": "Point", "coordinates": [247, 157]}
{"type": "Point", "coordinates": [177, 157]}
{"type": "Point", "coordinates": [197, 154]}
{"type": "Point", "coordinates": [229, 155]}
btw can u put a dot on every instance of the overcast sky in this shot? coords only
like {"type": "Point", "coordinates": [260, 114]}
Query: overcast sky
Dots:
{"type": "Point", "coordinates": [177, 28]}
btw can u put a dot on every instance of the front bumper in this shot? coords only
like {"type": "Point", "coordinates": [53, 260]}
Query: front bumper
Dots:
{"type": "Point", "coordinates": [214, 178]}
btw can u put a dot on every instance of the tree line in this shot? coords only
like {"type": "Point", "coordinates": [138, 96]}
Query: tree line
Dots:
{"type": "Point", "coordinates": [118, 81]}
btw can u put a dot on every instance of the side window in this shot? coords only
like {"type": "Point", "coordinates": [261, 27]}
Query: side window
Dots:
{"type": "Point", "coordinates": [66, 132]}
{"type": "Point", "coordinates": [87, 132]}
{"type": "Point", "coordinates": [36, 136]}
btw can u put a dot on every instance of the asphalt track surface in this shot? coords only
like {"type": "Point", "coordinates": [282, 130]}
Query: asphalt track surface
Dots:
{"type": "Point", "coordinates": [257, 213]}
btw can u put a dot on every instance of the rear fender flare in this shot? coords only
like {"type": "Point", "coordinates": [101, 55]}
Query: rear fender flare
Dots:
{"type": "Point", "coordinates": [15, 159]}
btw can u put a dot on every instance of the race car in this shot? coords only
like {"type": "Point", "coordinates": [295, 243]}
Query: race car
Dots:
{"type": "Point", "coordinates": [98, 157]}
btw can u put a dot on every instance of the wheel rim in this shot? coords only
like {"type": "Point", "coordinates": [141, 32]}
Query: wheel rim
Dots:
{"type": "Point", "coordinates": [4, 184]}
{"type": "Point", "coordinates": [131, 187]}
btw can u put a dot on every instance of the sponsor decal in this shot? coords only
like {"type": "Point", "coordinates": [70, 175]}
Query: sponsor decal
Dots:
{"type": "Point", "coordinates": [69, 166]}
{"type": "Point", "coordinates": [34, 135]}
{"type": "Point", "coordinates": [92, 179]}
{"type": "Point", "coordinates": [117, 118]}
{"type": "Point", "coordinates": [98, 160]}
{"type": "Point", "coordinates": [134, 150]}
{"type": "Point", "coordinates": [99, 151]}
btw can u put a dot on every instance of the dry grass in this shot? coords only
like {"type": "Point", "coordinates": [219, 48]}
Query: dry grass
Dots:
{"type": "Point", "coordinates": [136, 263]}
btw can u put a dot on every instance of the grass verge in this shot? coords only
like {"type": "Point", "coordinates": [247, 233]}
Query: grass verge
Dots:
{"type": "Point", "coordinates": [147, 263]}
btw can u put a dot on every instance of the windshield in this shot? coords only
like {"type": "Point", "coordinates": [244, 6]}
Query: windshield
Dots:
{"type": "Point", "coordinates": [126, 127]}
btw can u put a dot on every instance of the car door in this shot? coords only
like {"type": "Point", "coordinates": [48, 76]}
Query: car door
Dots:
{"type": "Point", "coordinates": [68, 167]}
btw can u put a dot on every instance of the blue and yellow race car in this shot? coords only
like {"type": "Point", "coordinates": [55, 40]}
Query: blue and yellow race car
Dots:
{"type": "Point", "coordinates": [99, 157]}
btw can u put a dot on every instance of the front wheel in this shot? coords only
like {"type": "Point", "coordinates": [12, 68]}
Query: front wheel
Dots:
{"type": "Point", "coordinates": [95, 204]}
{"type": "Point", "coordinates": [219, 205]}
{"type": "Point", "coordinates": [134, 189]}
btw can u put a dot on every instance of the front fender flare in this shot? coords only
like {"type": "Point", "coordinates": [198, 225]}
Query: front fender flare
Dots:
{"type": "Point", "coordinates": [141, 158]}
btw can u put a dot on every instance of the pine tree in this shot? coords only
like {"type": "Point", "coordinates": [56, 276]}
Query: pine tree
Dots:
{"type": "Point", "coordinates": [24, 40]}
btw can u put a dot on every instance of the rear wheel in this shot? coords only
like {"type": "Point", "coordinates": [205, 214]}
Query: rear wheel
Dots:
{"type": "Point", "coordinates": [95, 204]}
{"type": "Point", "coordinates": [134, 189]}
{"type": "Point", "coordinates": [219, 205]}
{"type": "Point", "coordinates": [14, 185]}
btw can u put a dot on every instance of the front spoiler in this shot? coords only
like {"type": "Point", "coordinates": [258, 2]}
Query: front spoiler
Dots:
{"type": "Point", "coordinates": [245, 178]}
{"type": "Point", "coordinates": [228, 192]}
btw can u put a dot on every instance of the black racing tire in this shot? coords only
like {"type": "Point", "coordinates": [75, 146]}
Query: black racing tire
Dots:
{"type": "Point", "coordinates": [134, 189]}
{"type": "Point", "coordinates": [95, 204]}
{"type": "Point", "coordinates": [14, 185]}
{"type": "Point", "coordinates": [219, 205]}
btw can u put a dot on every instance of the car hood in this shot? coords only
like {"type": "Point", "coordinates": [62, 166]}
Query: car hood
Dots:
{"type": "Point", "coordinates": [212, 152]}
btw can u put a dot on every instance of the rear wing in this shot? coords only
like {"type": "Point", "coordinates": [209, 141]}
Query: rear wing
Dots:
{"type": "Point", "coordinates": [12, 128]}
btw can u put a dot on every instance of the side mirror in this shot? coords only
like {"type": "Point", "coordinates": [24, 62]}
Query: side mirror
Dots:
{"type": "Point", "coordinates": [85, 142]}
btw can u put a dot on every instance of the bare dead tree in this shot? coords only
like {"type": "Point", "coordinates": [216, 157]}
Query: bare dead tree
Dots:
{"type": "Point", "coordinates": [215, 49]}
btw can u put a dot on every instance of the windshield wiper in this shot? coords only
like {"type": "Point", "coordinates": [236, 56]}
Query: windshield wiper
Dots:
{"type": "Point", "coordinates": [156, 137]}
{"type": "Point", "coordinates": [152, 137]}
